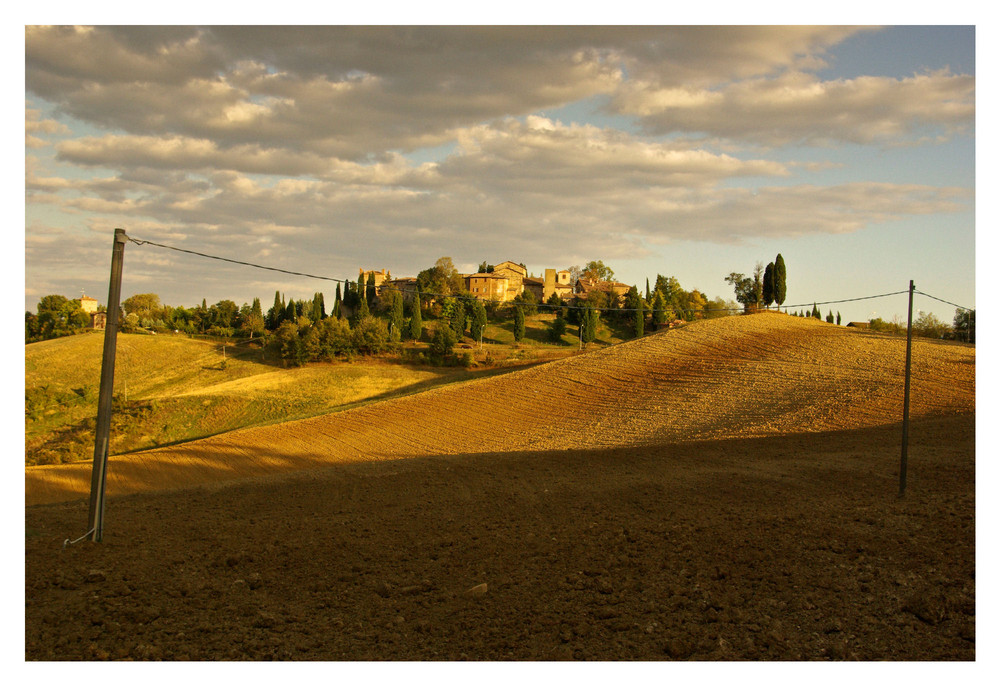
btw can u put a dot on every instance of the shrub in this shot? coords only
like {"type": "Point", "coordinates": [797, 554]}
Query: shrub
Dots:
{"type": "Point", "coordinates": [370, 336]}
{"type": "Point", "coordinates": [444, 339]}
{"type": "Point", "coordinates": [557, 329]}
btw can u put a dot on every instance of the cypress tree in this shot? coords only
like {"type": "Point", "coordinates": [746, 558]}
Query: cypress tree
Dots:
{"type": "Point", "coordinates": [767, 287]}
{"type": "Point", "coordinates": [336, 303]}
{"type": "Point", "coordinates": [829, 317]}
{"type": "Point", "coordinates": [370, 289]}
{"type": "Point", "coordinates": [458, 318]}
{"type": "Point", "coordinates": [589, 324]}
{"type": "Point", "coordinates": [779, 280]}
{"type": "Point", "coordinates": [838, 318]}
{"type": "Point", "coordinates": [557, 328]}
{"type": "Point", "coordinates": [416, 321]}
{"type": "Point", "coordinates": [659, 309]}
{"type": "Point", "coordinates": [362, 311]}
{"type": "Point", "coordinates": [478, 320]}
{"type": "Point", "coordinates": [316, 312]}
{"type": "Point", "coordinates": [647, 289]}
{"type": "Point", "coordinates": [518, 323]}
{"type": "Point", "coordinates": [396, 315]}
{"type": "Point", "coordinates": [815, 312]}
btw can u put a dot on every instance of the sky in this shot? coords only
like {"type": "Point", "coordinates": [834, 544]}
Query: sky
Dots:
{"type": "Point", "coordinates": [687, 151]}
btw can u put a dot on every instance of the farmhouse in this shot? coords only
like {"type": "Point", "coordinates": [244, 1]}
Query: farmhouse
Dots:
{"type": "Point", "coordinates": [585, 286]}
{"type": "Point", "coordinates": [488, 286]}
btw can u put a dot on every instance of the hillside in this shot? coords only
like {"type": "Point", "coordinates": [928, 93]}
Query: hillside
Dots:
{"type": "Point", "coordinates": [736, 377]}
{"type": "Point", "coordinates": [171, 389]}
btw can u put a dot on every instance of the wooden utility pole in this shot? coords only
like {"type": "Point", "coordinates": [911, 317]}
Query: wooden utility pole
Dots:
{"type": "Point", "coordinates": [906, 396]}
{"type": "Point", "coordinates": [103, 431]}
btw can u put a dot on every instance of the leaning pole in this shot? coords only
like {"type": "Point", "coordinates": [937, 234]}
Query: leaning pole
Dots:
{"type": "Point", "coordinates": [104, 398]}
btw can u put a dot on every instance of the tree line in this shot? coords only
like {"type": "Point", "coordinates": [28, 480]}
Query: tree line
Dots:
{"type": "Point", "coordinates": [362, 321]}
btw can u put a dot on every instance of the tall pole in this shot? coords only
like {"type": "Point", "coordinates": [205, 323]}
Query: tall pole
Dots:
{"type": "Point", "coordinates": [906, 396]}
{"type": "Point", "coordinates": [103, 432]}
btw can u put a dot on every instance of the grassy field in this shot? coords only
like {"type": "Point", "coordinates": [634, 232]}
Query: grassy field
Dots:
{"type": "Point", "coordinates": [170, 389]}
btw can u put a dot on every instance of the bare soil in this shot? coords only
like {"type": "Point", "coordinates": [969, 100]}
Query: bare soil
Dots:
{"type": "Point", "coordinates": [675, 504]}
{"type": "Point", "coordinates": [788, 548]}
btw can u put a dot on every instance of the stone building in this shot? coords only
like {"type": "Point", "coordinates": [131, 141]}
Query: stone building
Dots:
{"type": "Point", "coordinates": [380, 277]}
{"type": "Point", "coordinates": [88, 304]}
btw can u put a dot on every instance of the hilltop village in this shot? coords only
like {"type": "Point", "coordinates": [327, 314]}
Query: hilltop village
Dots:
{"type": "Point", "coordinates": [505, 282]}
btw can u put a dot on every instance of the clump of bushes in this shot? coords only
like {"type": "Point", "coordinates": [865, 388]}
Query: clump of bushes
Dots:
{"type": "Point", "coordinates": [305, 341]}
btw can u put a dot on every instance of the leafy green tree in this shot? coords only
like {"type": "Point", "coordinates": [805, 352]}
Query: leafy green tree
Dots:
{"type": "Point", "coordinates": [144, 305]}
{"type": "Point", "coordinates": [779, 280]}
{"type": "Point", "coordinates": [526, 300]}
{"type": "Point", "coordinates": [964, 325]}
{"type": "Point", "coordinates": [518, 323]}
{"type": "Point", "coordinates": [758, 283]}
{"type": "Point", "coordinates": [441, 279]}
{"type": "Point", "coordinates": [596, 270]}
{"type": "Point", "coordinates": [744, 288]}
{"type": "Point", "coordinates": [443, 341]}
{"type": "Point", "coordinates": [633, 310]}
{"type": "Point", "coordinates": [288, 345]}
{"type": "Point", "coordinates": [659, 309]}
{"type": "Point", "coordinates": [929, 326]}
{"type": "Point", "coordinates": [456, 316]}
{"type": "Point", "coordinates": [479, 319]}
{"type": "Point", "coordinates": [370, 335]}
{"type": "Point", "coordinates": [334, 338]}
{"type": "Point", "coordinates": [557, 329]}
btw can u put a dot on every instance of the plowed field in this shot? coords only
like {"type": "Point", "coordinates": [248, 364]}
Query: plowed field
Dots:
{"type": "Point", "coordinates": [736, 377]}
{"type": "Point", "coordinates": [724, 491]}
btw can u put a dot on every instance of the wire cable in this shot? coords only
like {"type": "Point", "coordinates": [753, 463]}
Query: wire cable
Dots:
{"type": "Point", "coordinates": [967, 309]}
{"type": "Point", "coordinates": [226, 259]}
{"type": "Point", "coordinates": [542, 305]}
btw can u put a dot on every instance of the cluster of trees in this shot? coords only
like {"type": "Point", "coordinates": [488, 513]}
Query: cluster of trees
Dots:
{"type": "Point", "coordinates": [927, 325]}
{"type": "Point", "coordinates": [57, 316]}
{"type": "Point", "coordinates": [815, 314]}
{"type": "Point", "coordinates": [764, 287]}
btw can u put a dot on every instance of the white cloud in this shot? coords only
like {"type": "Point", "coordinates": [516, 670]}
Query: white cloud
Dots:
{"type": "Point", "coordinates": [800, 108]}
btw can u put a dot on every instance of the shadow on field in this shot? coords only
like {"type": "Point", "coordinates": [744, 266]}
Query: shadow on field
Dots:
{"type": "Point", "coordinates": [875, 451]}
{"type": "Point", "coordinates": [785, 548]}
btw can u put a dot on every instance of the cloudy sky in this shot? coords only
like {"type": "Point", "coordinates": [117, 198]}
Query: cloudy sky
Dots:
{"type": "Point", "coordinates": [683, 151]}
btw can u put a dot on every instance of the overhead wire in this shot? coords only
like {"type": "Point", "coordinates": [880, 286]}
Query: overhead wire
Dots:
{"type": "Point", "coordinates": [142, 242]}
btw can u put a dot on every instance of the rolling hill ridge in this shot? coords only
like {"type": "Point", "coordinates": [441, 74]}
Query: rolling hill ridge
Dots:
{"type": "Point", "coordinates": [736, 377]}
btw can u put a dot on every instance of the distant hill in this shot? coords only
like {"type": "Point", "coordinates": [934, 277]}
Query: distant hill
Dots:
{"type": "Point", "coordinates": [735, 377]}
